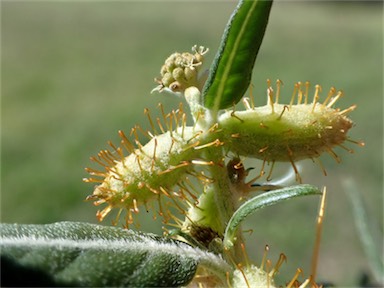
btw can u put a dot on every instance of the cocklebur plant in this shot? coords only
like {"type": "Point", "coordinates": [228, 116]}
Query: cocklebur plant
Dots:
{"type": "Point", "coordinates": [194, 177]}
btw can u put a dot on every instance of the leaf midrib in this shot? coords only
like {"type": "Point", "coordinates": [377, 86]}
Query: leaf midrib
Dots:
{"type": "Point", "coordinates": [232, 56]}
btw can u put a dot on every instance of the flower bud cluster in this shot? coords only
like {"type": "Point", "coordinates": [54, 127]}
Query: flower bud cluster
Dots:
{"type": "Point", "coordinates": [180, 70]}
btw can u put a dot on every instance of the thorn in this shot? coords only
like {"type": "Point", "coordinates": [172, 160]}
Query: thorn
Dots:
{"type": "Point", "coordinates": [297, 173]}
{"type": "Point", "coordinates": [240, 268]}
{"type": "Point", "coordinates": [263, 260]}
{"type": "Point", "coordinates": [307, 84]}
{"type": "Point", "coordinates": [165, 192]}
{"type": "Point", "coordinates": [92, 180]}
{"type": "Point", "coordinates": [191, 146]}
{"type": "Point", "coordinates": [319, 227]}
{"type": "Point", "coordinates": [233, 115]}
{"type": "Point", "coordinates": [183, 187]}
{"type": "Point", "coordinates": [154, 155]}
{"type": "Point", "coordinates": [145, 133]}
{"type": "Point", "coordinates": [160, 205]}
{"type": "Point", "coordinates": [229, 284]}
{"type": "Point", "coordinates": [334, 155]}
{"type": "Point", "coordinates": [199, 114]}
{"type": "Point", "coordinates": [262, 167]}
{"type": "Point", "coordinates": [262, 150]}
{"type": "Point", "coordinates": [183, 124]}
{"type": "Point", "coordinates": [282, 112]}
{"type": "Point", "coordinates": [94, 159]}
{"type": "Point", "coordinates": [135, 208]}
{"type": "Point", "coordinates": [215, 143]}
{"type": "Point", "coordinates": [154, 191]}
{"type": "Point", "coordinates": [170, 126]}
{"type": "Point", "coordinates": [94, 197]}
{"type": "Point", "coordinates": [176, 117]}
{"type": "Point", "coordinates": [282, 258]}
{"type": "Point", "coordinates": [251, 96]}
{"type": "Point", "coordinates": [195, 136]}
{"type": "Point", "coordinates": [295, 88]}
{"type": "Point", "coordinates": [297, 274]}
{"type": "Point", "coordinates": [299, 94]}
{"type": "Point", "coordinates": [270, 99]}
{"type": "Point", "coordinates": [268, 267]}
{"type": "Point", "coordinates": [262, 125]}
{"type": "Point", "coordinates": [170, 147]}
{"type": "Point", "coordinates": [318, 161]}
{"type": "Point", "coordinates": [348, 110]}
{"type": "Point", "coordinates": [334, 99]}
{"type": "Point", "coordinates": [244, 254]}
{"type": "Point", "coordinates": [183, 164]}
{"type": "Point", "coordinates": [146, 112]}
{"type": "Point", "coordinates": [95, 172]}
{"type": "Point", "coordinates": [279, 83]}
{"type": "Point", "coordinates": [306, 282]}
{"type": "Point", "coordinates": [126, 143]}
{"type": "Point", "coordinates": [111, 156]}
{"type": "Point", "coordinates": [121, 154]}
{"type": "Point", "coordinates": [316, 97]}
{"type": "Point", "coordinates": [213, 128]}
{"type": "Point", "coordinates": [331, 92]}
{"type": "Point", "coordinates": [361, 144]}
{"type": "Point", "coordinates": [160, 106]}
{"type": "Point", "coordinates": [137, 142]}
{"type": "Point", "coordinates": [347, 149]}
{"type": "Point", "coordinates": [269, 177]}
{"type": "Point", "coordinates": [116, 221]}
{"type": "Point", "coordinates": [160, 126]}
{"type": "Point", "coordinates": [103, 154]}
{"type": "Point", "coordinates": [100, 215]}
{"type": "Point", "coordinates": [203, 163]}
{"type": "Point", "coordinates": [139, 163]}
{"type": "Point", "coordinates": [112, 145]}
{"type": "Point", "coordinates": [247, 104]}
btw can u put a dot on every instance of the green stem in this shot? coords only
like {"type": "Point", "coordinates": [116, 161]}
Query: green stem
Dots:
{"type": "Point", "coordinates": [221, 187]}
{"type": "Point", "coordinates": [225, 200]}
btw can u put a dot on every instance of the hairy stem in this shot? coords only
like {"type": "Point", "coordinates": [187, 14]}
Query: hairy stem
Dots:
{"type": "Point", "coordinates": [224, 198]}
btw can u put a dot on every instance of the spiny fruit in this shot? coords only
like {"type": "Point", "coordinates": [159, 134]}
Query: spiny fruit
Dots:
{"type": "Point", "coordinates": [250, 275]}
{"type": "Point", "coordinates": [287, 133]}
{"type": "Point", "coordinates": [149, 171]}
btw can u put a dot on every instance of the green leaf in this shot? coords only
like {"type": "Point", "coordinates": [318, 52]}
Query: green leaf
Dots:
{"type": "Point", "coordinates": [231, 71]}
{"type": "Point", "coordinates": [261, 201]}
{"type": "Point", "coordinates": [80, 254]}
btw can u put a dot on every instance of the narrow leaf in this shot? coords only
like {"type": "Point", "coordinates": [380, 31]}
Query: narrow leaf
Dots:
{"type": "Point", "coordinates": [261, 201]}
{"type": "Point", "coordinates": [364, 227]}
{"type": "Point", "coordinates": [80, 254]}
{"type": "Point", "coordinates": [231, 71]}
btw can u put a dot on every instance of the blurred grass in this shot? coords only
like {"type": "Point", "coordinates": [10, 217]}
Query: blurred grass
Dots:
{"type": "Point", "coordinates": [75, 73]}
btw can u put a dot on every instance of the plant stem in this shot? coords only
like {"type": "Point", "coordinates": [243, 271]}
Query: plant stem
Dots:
{"type": "Point", "coordinates": [224, 198]}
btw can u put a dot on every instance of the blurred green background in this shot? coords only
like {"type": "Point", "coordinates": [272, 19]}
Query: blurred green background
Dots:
{"type": "Point", "coordinates": [74, 73]}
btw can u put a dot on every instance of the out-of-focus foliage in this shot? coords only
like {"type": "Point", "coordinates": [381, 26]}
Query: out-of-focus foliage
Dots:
{"type": "Point", "coordinates": [75, 73]}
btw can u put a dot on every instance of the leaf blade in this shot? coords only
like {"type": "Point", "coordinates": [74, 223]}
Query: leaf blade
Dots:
{"type": "Point", "coordinates": [231, 71]}
{"type": "Point", "coordinates": [261, 201]}
{"type": "Point", "coordinates": [80, 254]}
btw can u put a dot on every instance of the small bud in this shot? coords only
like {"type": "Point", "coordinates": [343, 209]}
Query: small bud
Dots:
{"type": "Point", "coordinates": [183, 68]}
